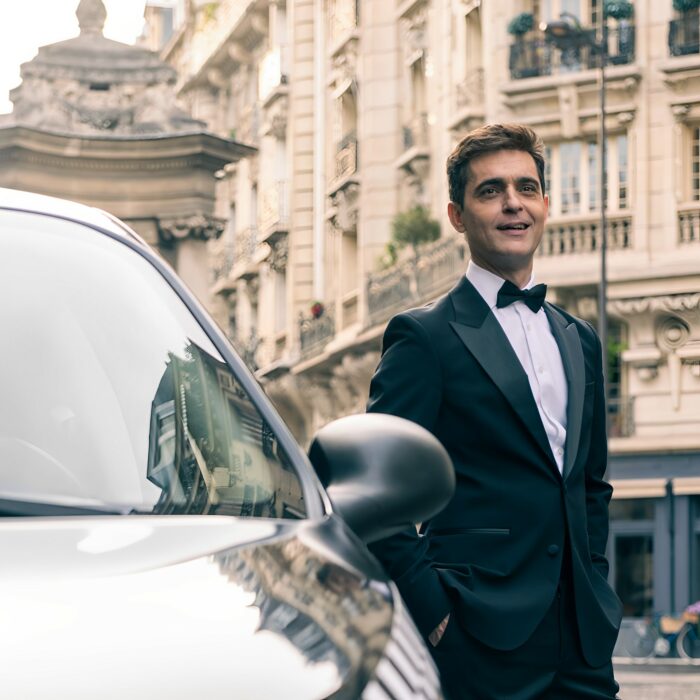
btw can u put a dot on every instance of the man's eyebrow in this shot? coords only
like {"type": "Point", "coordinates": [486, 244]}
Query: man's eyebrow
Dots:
{"type": "Point", "coordinates": [500, 182]}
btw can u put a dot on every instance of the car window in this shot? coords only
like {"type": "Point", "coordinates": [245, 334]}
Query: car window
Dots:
{"type": "Point", "coordinates": [111, 393]}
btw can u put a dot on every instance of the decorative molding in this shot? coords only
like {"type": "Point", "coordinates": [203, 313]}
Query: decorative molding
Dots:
{"type": "Point", "coordinates": [346, 206]}
{"type": "Point", "coordinates": [668, 303]}
{"type": "Point", "coordinates": [198, 226]}
{"type": "Point", "coordinates": [645, 361]}
{"type": "Point", "coordinates": [279, 255]}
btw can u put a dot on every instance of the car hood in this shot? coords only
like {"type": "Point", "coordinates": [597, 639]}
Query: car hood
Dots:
{"type": "Point", "coordinates": [183, 607]}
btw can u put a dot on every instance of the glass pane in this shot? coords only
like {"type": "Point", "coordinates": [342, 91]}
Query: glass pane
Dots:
{"type": "Point", "coordinates": [632, 509]}
{"type": "Point", "coordinates": [570, 157]}
{"type": "Point", "coordinates": [622, 172]}
{"type": "Point", "coordinates": [112, 393]}
{"type": "Point", "coordinates": [634, 574]}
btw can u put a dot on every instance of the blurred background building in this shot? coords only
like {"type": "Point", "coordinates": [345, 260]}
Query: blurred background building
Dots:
{"type": "Point", "coordinates": [331, 213]}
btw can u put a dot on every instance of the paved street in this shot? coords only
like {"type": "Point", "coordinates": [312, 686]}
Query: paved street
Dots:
{"type": "Point", "coordinates": [666, 684]}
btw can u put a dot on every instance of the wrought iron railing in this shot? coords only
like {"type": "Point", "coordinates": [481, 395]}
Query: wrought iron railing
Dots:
{"type": "Point", "coordinates": [689, 225]}
{"type": "Point", "coordinates": [684, 34]}
{"type": "Point", "coordinates": [576, 237]}
{"type": "Point", "coordinates": [536, 57]}
{"type": "Point", "coordinates": [415, 280]}
{"type": "Point", "coordinates": [315, 332]}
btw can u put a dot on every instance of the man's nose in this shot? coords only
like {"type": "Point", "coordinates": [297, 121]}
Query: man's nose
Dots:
{"type": "Point", "coordinates": [511, 200]}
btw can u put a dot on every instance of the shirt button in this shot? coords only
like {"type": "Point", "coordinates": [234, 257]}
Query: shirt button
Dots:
{"type": "Point", "coordinates": [553, 550]}
{"type": "Point", "coordinates": [529, 327]}
{"type": "Point", "coordinates": [560, 451]}
{"type": "Point", "coordinates": [540, 369]}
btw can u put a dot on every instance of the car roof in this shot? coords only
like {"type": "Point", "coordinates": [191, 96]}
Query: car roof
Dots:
{"type": "Point", "coordinates": [21, 200]}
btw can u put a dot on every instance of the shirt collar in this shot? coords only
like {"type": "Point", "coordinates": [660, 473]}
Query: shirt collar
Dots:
{"type": "Point", "coordinates": [487, 283]}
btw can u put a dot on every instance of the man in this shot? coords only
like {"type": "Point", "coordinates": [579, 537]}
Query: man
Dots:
{"type": "Point", "coordinates": [509, 582]}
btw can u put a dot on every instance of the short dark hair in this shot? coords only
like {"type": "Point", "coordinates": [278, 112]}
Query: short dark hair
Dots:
{"type": "Point", "coordinates": [487, 139]}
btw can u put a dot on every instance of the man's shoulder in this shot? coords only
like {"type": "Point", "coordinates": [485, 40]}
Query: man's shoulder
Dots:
{"type": "Point", "coordinates": [428, 315]}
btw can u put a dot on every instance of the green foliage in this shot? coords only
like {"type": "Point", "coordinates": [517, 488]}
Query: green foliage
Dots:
{"type": "Point", "coordinates": [685, 5]}
{"type": "Point", "coordinates": [521, 24]}
{"type": "Point", "coordinates": [413, 227]}
{"type": "Point", "coordinates": [619, 9]}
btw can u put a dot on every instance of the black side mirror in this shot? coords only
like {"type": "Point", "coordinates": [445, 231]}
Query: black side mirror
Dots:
{"type": "Point", "coordinates": [382, 473]}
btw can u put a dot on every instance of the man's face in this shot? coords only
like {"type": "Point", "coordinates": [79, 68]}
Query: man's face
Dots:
{"type": "Point", "coordinates": [504, 212]}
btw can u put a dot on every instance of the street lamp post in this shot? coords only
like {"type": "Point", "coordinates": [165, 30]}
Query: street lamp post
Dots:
{"type": "Point", "coordinates": [567, 34]}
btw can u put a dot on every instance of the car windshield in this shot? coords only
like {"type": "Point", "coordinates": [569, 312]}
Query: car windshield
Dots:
{"type": "Point", "coordinates": [112, 396]}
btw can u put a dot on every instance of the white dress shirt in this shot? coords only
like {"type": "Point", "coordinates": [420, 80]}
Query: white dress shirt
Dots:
{"type": "Point", "coordinates": [532, 340]}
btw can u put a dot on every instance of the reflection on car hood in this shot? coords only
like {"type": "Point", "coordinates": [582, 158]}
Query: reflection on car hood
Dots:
{"type": "Point", "coordinates": [182, 607]}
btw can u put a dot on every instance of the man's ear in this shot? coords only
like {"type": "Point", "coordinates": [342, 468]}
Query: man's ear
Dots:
{"type": "Point", "coordinates": [454, 213]}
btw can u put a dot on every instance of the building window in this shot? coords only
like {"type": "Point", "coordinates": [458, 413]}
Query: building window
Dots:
{"type": "Point", "coordinates": [631, 553]}
{"type": "Point", "coordinates": [574, 175]}
{"type": "Point", "coordinates": [570, 168]}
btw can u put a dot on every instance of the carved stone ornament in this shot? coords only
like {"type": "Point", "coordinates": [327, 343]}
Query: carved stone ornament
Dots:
{"type": "Point", "coordinates": [346, 204]}
{"type": "Point", "coordinates": [279, 255]}
{"type": "Point", "coordinates": [344, 66]}
{"type": "Point", "coordinates": [198, 226]}
{"type": "Point", "coordinates": [91, 16]}
{"type": "Point", "coordinates": [680, 112]}
{"type": "Point", "coordinates": [644, 360]}
{"type": "Point", "coordinates": [414, 30]}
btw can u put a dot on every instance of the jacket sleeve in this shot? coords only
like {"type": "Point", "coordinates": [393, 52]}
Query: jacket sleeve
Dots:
{"type": "Point", "coordinates": [408, 383]}
{"type": "Point", "coordinates": [598, 491]}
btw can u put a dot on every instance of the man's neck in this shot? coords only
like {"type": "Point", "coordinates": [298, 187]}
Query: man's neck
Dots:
{"type": "Point", "coordinates": [519, 278]}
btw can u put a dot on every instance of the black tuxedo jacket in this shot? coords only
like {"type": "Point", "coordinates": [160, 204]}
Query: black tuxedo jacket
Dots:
{"type": "Point", "coordinates": [493, 556]}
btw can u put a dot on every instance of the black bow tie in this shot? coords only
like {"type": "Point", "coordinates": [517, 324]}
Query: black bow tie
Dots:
{"type": "Point", "coordinates": [533, 297]}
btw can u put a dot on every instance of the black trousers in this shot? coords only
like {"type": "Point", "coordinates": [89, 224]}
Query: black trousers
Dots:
{"type": "Point", "coordinates": [549, 666]}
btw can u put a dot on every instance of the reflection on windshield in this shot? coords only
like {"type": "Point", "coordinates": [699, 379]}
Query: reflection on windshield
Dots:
{"type": "Point", "coordinates": [209, 449]}
{"type": "Point", "coordinates": [110, 391]}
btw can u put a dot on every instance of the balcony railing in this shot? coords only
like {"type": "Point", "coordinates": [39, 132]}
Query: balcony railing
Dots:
{"type": "Point", "coordinates": [244, 246]}
{"type": "Point", "coordinates": [415, 280]}
{"type": "Point", "coordinates": [346, 156]}
{"type": "Point", "coordinates": [576, 237]}
{"type": "Point", "coordinates": [314, 333]}
{"type": "Point", "coordinates": [621, 416]}
{"type": "Point", "coordinates": [415, 133]}
{"type": "Point", "coordinates": [274, 210]}
{"type": "Point", "coordinates": [536, 57]}
{"type": "Point", "coordinates": [689, 225]}
{"type": "Point", "coordinates": [684, 34]}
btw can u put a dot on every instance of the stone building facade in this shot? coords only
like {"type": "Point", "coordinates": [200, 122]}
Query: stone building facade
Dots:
{"type": "Point", "coordinates": [353, 106]}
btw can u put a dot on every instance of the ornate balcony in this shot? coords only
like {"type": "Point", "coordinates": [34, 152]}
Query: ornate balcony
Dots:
{"type": "Point", "coordinates": [244, 247]}
{"type": "Point", "coordinates": [689, 224]}
{"type": "Point", "coordinates": [583, 236]}
{"type": "Point", "coordinates": [415, 280]}
{"type": "Point", "coordinates": [536, 57]}
{"type": "Point", "coordinates": [684, 34]}
{"type": "Point", "coordinates": [315, 333]}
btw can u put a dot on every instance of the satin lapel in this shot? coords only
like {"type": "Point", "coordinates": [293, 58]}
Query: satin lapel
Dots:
{"type": "Point", "coordinates": [483, 336]}
{"type": "Point", "coordinates": [569, 343]}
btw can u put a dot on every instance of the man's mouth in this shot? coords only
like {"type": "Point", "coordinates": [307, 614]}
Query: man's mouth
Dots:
{"type": "Point", "coordinates": [513, 227]}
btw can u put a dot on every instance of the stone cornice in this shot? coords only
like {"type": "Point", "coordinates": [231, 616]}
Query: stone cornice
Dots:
{"type": "Point", "coordinates": [199, 150]}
